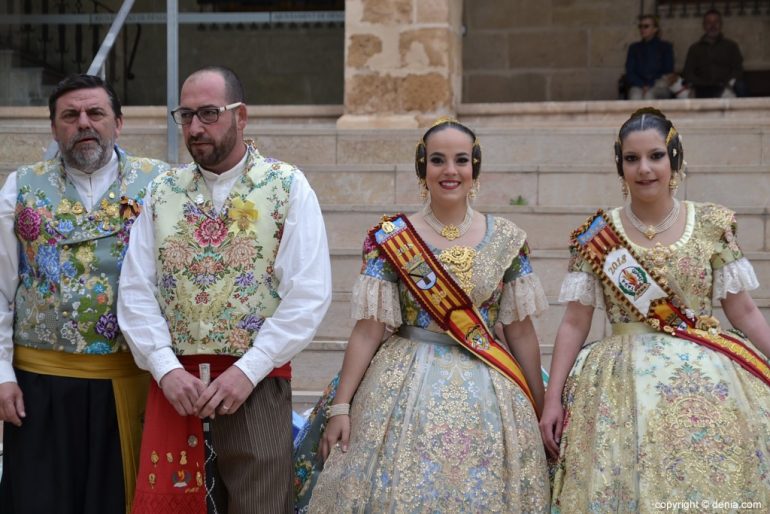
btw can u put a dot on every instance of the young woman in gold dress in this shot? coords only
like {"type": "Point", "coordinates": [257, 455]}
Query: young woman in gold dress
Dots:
{"type": "Point", "coordinates": [431, 427]}
{"type": "Point", "coordinates": [661, 411]}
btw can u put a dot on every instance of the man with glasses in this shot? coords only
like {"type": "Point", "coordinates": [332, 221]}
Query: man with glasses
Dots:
{"type": "Point", "coordinates": [71, 396]}
{"type": "Point", "coordinates": [714, 64]}
{"type": "Point", "coordinates": [649, 63]}
{"type": "Point", "coordinates": [230, 270]}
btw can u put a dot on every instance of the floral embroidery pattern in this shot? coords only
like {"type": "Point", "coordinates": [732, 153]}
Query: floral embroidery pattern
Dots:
{"type": "Point", "coordinates": [70, 258]}
{"type": "Point", "coordinates": [107, 325]}
{"type": "Point", "coordinates": [28, 224]}
{"type": "Point", "coordinates": [217, 284]}
{"type": "Point", "coordinates": [211, 232]}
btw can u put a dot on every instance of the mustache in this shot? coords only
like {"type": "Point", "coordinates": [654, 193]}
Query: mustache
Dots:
{"type": "Point", "coordinates": [87, 134]}
{"type": "Point", "coordinates": [199, 139]}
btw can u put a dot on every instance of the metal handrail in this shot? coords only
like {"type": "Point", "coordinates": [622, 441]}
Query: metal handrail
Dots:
{"type": "Point", "coordinates": [97, 65]}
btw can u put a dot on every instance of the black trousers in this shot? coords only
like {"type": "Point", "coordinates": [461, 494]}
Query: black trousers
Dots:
{"type": "Point", "coordinates": [65, 458]}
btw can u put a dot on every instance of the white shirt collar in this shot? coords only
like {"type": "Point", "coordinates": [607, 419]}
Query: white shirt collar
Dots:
{"type": "Point", "coordinates": [212, 177]}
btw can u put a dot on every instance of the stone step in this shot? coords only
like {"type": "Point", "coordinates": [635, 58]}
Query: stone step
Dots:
{"type": "Point", "coordinates": [714, 140]}
{"type": "Point", "coordinates": [546, 185]}
{"type": "Point", "coordinates": [548, 228]}
{"type": "Point", "coordinates": [611, 113]}
{"type": "Point", "coordinates": [304, 400]}
{"type": "Point", "coordinates": [550, 266]}
{"type": "Point", "coordinates": [315, 366]}
{"type": "Point", "coordinates": [501, 184]}
{"type": "Point", "coordinates": [337, 323]}
{"type": "Point", "coordinates": [536, 185]}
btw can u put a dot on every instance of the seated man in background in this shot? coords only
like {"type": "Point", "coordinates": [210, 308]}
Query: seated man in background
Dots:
{"type": "Point", "coordinates": [714, 64]}
{"type": "Point", "coordinates": [649, 63]}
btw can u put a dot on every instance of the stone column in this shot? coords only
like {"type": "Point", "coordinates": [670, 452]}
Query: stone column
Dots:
{"type": "Point", "coordinates": [403, 62]}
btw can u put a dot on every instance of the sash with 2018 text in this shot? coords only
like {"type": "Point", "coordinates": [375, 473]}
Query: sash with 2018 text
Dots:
{"type": "Point", "coordinates": [647, 296]}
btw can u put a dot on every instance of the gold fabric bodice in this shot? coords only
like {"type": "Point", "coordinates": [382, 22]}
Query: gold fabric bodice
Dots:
{"type": "Point", "coordinates": [707, 243]}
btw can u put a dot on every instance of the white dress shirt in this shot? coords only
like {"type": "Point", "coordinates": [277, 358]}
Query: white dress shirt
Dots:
{"type": "Point", "coordinates": [91, 187]}
{"type": "Point", "coordinates": [302, 267]}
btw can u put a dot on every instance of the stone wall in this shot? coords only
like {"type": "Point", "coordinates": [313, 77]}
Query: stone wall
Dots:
{"type": "Point", "coordinates": [402, 60]}
{"type": "Point", "coordinates": [558, 50]}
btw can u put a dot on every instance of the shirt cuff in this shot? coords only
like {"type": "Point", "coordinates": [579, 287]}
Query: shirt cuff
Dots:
{"type": "Point", "coordinates": [255, 365]}
{"type": "Point", "coordinates": [6, 372]}
{"type": "Point", "coordinates": [161, 362]}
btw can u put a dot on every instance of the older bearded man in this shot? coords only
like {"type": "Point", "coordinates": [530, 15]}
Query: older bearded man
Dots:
{"type": "Point", "coordinates": [71, 396]}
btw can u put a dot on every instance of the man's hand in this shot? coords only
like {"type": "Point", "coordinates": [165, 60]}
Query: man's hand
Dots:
{"type": "Point", "coordinates": [225, 394]}
{"type": "Point", "coordinates": [182, 390]}
{"type": "Point", "coordinates": [11, 403]}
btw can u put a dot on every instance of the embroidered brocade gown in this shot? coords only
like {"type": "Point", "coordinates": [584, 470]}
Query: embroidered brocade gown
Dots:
{"type": "Point", "coordinates": [434, 429]}
{"type": "Point", "coordinates": [651, 418]}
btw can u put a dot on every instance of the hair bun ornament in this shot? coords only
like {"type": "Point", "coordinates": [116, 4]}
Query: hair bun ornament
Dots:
{"type": "Point", "coordinates": [444, 119]}
{"type": "Point", "coordinates": [648, 110]}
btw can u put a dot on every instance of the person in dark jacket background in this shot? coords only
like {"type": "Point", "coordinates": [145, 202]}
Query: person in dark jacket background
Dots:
{"type": "Point", "coordinates": [714, 64]}
{"type": "Point", "coordinates": [649, 63]}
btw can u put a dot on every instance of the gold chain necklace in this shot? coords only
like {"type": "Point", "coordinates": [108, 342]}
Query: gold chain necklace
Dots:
{"type": "Point", "coordinates": [449, 232]}
{"type": "Point", "coordinates": [650, 231]}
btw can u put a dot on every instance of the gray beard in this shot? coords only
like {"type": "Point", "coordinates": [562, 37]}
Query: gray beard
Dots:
{"type": "Point", "coordinates": [88, 159]}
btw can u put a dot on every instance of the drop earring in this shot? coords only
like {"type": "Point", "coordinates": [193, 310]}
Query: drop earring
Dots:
{"type": "Point", "coordinates": [474, 191]}
{"type": "Point", "coordinates": [423, 188]}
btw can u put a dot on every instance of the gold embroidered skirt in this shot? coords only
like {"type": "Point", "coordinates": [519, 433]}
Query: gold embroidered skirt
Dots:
{"type": "Point", "coordinates": [433, 429]}
{"type": "Point", "coordinates": [657, 423]}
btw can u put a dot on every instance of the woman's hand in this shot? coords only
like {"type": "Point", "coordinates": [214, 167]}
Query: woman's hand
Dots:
{"type": "Point", "coordinates": [551, 425]}
{"type": "Point", "coordinates": [337, 432]}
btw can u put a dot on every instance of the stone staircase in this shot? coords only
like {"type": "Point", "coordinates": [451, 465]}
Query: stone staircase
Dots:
{"type": "Point", "coordinates": [546, 166]}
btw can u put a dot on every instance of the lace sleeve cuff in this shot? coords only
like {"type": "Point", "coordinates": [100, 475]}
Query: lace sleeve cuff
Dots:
{"type": "Point", "coordinates": [579, 286]}
{"type": "Point", "coordinates": [377, 299]}
{"type": "Point", "coordinates": [522, 297]}
{"type": "Point", "coordinates": [734, 277]}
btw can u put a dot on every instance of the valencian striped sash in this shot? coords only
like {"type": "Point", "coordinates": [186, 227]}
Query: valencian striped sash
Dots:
{"type": "Point", "coordinates": [441, 297]}
{"type": "Point", "coordinates": [647, 296]}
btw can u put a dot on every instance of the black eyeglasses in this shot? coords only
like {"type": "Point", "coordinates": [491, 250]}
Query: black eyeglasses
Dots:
{"type": "Point", "coordinates": [207, 115]}
{"type": "Point", "coordinates": [644, 25]}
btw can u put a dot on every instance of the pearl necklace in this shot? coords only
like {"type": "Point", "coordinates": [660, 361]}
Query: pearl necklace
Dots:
{"type": "Point", "coordinates": [449, 232]}
{"type": "Point", "coordinates": [650, 231]}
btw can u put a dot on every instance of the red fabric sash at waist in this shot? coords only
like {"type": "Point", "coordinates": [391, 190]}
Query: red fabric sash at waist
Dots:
{"type": "Point", "coordinates": [171, 462]}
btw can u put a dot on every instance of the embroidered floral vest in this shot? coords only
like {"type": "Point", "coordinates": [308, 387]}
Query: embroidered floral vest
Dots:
{"type": "Point", "coordinates": [70, 259]}
{"type": "Point", "coordinates": [216, 283]}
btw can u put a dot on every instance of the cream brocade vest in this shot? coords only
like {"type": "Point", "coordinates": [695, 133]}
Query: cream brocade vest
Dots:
{"type": "Point", "coordinates": [216, 282]}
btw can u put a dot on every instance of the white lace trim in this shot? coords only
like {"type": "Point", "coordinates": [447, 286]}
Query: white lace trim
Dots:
{"type": "Point", "coordinates": [583, 287]}
{"type": "Point", "coordinates": [522, 297]}
{"type": "Point", "coordinates": [377, 299]}
{"type": "Point", "coordinates": [734, 277]}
